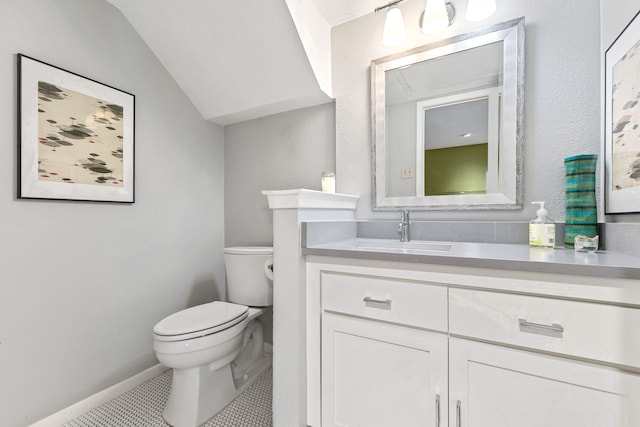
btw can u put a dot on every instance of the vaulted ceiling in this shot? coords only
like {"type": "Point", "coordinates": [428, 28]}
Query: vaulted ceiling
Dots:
{"type": "Point", "coordinates": [242, 59]}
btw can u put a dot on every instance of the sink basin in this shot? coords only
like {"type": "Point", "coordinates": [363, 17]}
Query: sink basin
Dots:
{"type": "Point", "coordinates": [401, 247]}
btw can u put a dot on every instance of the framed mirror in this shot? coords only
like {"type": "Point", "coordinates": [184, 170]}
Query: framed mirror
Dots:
{"type": "Point", "coordinates": [448, 121]}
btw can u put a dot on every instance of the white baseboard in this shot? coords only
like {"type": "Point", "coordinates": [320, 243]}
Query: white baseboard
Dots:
{"type": "Point", "coordinates": [67, 414]}
{"type": "Point", "coordinates": [91, 402]}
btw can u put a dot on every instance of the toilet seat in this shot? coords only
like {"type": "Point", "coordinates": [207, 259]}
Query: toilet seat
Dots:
{"type": "Point", "coordinates": [199, 321]}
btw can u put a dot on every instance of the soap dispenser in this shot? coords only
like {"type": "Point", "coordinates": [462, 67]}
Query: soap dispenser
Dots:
{"type": "Point", "coordinates": [542, 230]}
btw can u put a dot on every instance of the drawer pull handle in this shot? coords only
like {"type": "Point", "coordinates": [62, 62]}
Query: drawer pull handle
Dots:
{"type": "Point", "coordinates": [384, 304]}
{"type": "Point", "coordinates": [458, 414]}
{"type": "Point", "coordinates": [437, 410]}
{"type": "Point", "coordinates": [554, 327]}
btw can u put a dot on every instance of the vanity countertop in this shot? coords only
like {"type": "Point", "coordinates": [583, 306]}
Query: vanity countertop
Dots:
{"type": "Point", "coordinates": [484, 255]}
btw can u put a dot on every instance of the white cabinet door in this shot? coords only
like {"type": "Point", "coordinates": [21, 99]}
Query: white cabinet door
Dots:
{"type": "Point", "coordinates": [494, 386]}
{"type": "Point", "coordinates": [377, 374]}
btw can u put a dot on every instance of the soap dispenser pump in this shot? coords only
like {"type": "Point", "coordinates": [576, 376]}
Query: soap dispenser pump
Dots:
{"type": "Point", "coordinates": [542, 230]}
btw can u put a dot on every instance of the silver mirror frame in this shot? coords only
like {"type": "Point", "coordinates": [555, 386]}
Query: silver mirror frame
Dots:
{"type": "Point", "coordinates": [512, 141]}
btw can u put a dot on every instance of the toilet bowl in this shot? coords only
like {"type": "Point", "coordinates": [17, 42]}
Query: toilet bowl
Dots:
{"type": "Point", "coordinates": [216, 349]}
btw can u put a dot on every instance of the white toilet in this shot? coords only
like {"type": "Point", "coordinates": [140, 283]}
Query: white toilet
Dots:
{"type": "Point", "coordinates": [216, 349]}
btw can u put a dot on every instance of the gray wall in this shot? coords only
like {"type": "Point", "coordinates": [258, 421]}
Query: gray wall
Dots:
{"type": "Point", "coordinates": [82, 284]}
{"type": "Point", "coordinates": [616, 15]}
{"type": "Point", "coordinates": [280, 152]}
{"type": "Point", "coordinates": [562, 96]}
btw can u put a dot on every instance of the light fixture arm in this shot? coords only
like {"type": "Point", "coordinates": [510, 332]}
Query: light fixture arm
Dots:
{"type": "Point", "coordinates": [388, 5]}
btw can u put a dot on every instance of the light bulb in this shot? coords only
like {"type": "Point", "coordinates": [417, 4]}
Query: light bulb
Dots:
{"type": "Point", "coordinates": [435, 17]}
{"type": "Point", "coordinates": [477, 10]}
{"type": "Point", "coordinates": [394, 33]}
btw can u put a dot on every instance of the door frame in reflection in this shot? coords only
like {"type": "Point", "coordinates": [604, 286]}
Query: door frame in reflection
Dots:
{"type": "Point", "coordinates": [492, 95]}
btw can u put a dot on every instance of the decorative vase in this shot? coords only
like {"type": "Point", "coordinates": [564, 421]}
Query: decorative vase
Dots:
{"type": "Point", "coordinates": [580, 197]}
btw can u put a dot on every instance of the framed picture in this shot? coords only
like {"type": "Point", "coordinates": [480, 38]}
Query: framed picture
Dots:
{"type": "Point", "coordinates": [75, 138]}
{"type": "Point", "coordinates": [622, 121]}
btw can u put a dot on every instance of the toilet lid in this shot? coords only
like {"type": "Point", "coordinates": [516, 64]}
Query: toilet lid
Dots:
{"type": "Point", "coordinates": [210, 318]}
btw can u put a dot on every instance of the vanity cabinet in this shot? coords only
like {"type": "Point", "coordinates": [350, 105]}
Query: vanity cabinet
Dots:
{"type": "Point", "coordinates": [405, 344]}
{"type": "Point", "coordinates": [500, 386]}
{"type": "Point", "coordinates": [377, 371]}
{"type": "Point", "coordinates": [496, 386]}
{"type": "Point", "coordinates": [381, 375]}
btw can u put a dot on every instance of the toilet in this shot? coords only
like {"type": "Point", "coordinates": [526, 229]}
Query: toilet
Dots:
{"type": "Point", "coordinates": [216, 349]}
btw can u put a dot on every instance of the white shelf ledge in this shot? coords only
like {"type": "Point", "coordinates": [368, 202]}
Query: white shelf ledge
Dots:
{"type": "Point", "coordinates": [309, 199]}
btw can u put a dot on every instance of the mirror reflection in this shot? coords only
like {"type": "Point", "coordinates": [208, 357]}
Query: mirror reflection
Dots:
{"type": "Point", "coordinates": [447, 123]}
{"type": "Point", "coordinates": [455, 157]}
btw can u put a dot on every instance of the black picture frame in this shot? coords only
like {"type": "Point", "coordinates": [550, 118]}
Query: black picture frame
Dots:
{"type": "Point", "coordinates": [622, 121]}
{"type": "Point", "coordinates": [76, 137]}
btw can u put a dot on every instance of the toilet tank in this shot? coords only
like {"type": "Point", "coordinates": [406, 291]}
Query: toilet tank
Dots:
{"type": "Point", "coordinates": [249, 275]}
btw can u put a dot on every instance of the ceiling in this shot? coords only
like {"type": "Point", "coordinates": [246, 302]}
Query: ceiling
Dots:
{"type": "Point", "coordinates": [243, 59]}
{"type": "Point", "coordinates": [446, 75]}
{"type": "Point", "coordinates": [337, 12]}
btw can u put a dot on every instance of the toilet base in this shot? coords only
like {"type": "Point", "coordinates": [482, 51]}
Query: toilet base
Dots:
{"type": "Point", "coordinates": [249, 378]}
{"type": "Point", "coordinates": [197, 394]}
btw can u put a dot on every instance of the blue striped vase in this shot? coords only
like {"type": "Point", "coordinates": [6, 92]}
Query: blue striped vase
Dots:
{"type": "Point", "coordinates": [580, 197]}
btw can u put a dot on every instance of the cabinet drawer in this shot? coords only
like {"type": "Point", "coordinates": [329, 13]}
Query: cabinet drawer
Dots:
{"type": "Point", "coordinates": [594, 331]}
{"type": "Point", "coordinates": [391, 300]}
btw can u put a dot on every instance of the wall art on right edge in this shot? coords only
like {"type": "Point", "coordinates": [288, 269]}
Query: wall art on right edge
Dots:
{"type": "Point", "coordinates": [622, 121]}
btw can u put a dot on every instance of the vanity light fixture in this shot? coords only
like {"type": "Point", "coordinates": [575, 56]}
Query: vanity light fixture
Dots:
{"type": "Point", "coordinates": [477, 10]}
{"type": "Point", "coordinates": [394, 32]}
{"type": "Point", "coordinates": [437, 16]}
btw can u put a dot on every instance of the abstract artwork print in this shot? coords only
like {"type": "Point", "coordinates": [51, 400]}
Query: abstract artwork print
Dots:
{"type": "Point", "coordinates": [625, 117]}
{"type": "Point", "coordinates": [80, 138]}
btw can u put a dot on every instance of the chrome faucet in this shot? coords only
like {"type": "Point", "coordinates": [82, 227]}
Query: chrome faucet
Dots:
{"type": "Point", "coordinates": [403, 227]}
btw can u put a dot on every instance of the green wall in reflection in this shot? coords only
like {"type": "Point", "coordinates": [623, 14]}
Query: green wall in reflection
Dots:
{"type": "Point", "coordinates": [456, 170]}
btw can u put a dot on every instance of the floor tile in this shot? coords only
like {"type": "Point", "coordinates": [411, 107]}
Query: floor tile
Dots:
{"type": "Point", "coordinates": [143, 405]}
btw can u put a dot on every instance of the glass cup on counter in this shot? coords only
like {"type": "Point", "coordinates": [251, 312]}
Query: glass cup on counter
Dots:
{"type": "Point", "coordinates": [328, 182]}
{"type": "Point", "coordinates": [584, 243]}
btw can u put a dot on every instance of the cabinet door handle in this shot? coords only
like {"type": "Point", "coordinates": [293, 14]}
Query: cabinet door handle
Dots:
{"type": "Point", "coordinates": [458, 414]}
{"type": "Point", "coordinates": [384, 304]}
{"type": "Point", "coordinates": [437, 410]}
{"type": "Point", "coordinates": [554, 327]}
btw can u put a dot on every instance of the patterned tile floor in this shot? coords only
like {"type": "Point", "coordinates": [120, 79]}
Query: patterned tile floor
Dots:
{"type": "Point", "coordinates": [143, 405]}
